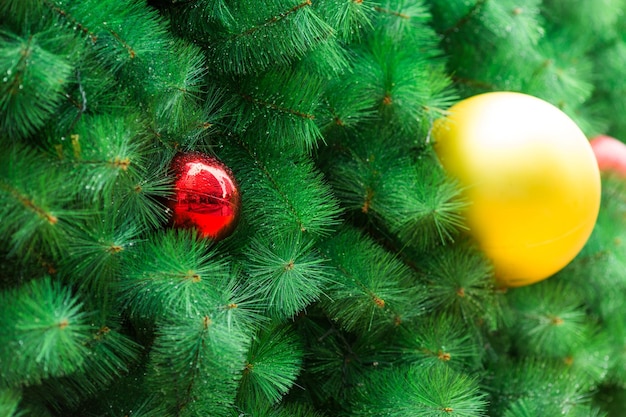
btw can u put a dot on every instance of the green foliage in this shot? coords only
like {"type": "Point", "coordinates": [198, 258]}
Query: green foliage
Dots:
{"type": "Point", "coordinates": [9, 400]}
{"type": "Point", "coordinates": [460, 282]}
{"type": "Point", "coordinates": [542, 316]}
{"type": "Point", "coordinates": [277, 203]}
{"type": "Point", "coordinates": [272, 365]}
{"type": "Point", "coordinates": [264, 112]}
{"type": "Point", "coordinates": [595, 17]}
{"type": "Point", "coordinates": [195, 363]}
{"type": "Point", "coordinates": [173, 273]}
{"type": "Point", "coordinates": [410, 196]}
{"type": "Point", "coordinates": [347, 18]}
{"type": "Point", "coordinates": [286, 272]}
{"type": "Point", "coordinates": [370, 287]}
{"type": "Point", "coordinates": [528, 408]}
{"type": "Point", "coordinates": [34, 194]}
{"type": "Point", "coordinates": [349, 286]}
{"type": "Point", "coordinates": [44, 333]}
{"type": "Point", "coordinates": [34, 72]}
{"type": "Point", "coordinates": [609, 91]}
{"type": "Point", "coordinates": [103, 149]}
{"type": "Point", "coordinates": [111, 355]}
{"type": "Point", "coordinates": [178, 89]}
{"type": "Point", "coordinates": [545, 384]}
{"type": "Point", "coordinates": [336, 362]}
{"type": "Point", "coordinates": [435, 340]}
{"type": "Point", "coordinates": [432, 392]}
{"type": "Point", "coordinates": [283, 410]}
{"type": "Point", "coordinates": [273, 33]}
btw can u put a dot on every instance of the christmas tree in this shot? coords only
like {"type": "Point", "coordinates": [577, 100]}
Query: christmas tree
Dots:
{"type": "Point", "coordinates": [349, 285]}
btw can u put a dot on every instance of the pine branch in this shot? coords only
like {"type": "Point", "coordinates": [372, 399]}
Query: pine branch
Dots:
{"type": "Point", "coordinates": [460, 281]}
{"type": "Point", "coordinates": [279, 108]}
{"type": "Point", "coordinates": [199, 19]}
{"type": "Point", "coordinates": [436, 340]}
{"type": "Point", "coordinates": [9, 401]}
{"type": "Point", "coordinates": [399, 77]}
{"type": "Point", "coordinates": [274, 181]}
{"type": "Point", "coordinates": [111, 355]}
{"type": "Point", "coordinates": [277, 33]}
{"type": "Point", "coordinates": [585, 18]}
{"type": "Point", "coordinates": [348, 18]}
{"type": "Point", "coordinates": [128, 393]}
{"type": "Point", "coordinates": [15, 12]}
{"type": "Point", "coordinates": [429, 392]}
{"type": "Point", "coordinates": [474, 10]}
{"type": "Point", "coordinates": [173, 274]}
{"type": "Point", "coordinates": [616, 330]}
{"type": "Point", "coordinates": [103, 149]}
{"type": "Point", "coordinates": [132, 43]}
{"type": "Point", "coordinates": [608, 89]}
{"type": "Point", "coordinates": [273, 362]}
{"type": "Point", "coordinates": [407, 20]}
{"type": "Point", "coordinates": [545, 323]}
{"type": "Point", "coordinates": [45, 333]}
{"type": "Point", "coordinates": [526, 408]}
{"type": "Point", "coordinates": [34, 74]}
{"type": "Point", "coordinates": [35, 195]}
{"type": "Point", "coordinates": [141, 200]}
{"type": "Point", "coordinates": [592, 361]}
{"type": "Point", "coordinates": [130, 31]}
{"type": "Point", "coordinates": [89, 90]}
{"type": "Point", "coordinates": [336, 363]}
{"type": "Point", "coordinates": [544, 383]}
{"type": "Point", "coordinates": [94, 256]}
{"type": "Point", "coordinates": [287, 272]}
{"type": "Point", "coordinates": [371, 289]}
{"type": "Point", "coordinates": [426, 201]}
{"type": "Point", "coordinates": [411, 199]}
{"type": "Point", "coordinates": [561, 77]}
{"type": "Point", "coordinates": [196, 364]}
{"type": "Point", "coordinates": [287, 409]}
{"type": "Point", "coordinates": [178, 93]}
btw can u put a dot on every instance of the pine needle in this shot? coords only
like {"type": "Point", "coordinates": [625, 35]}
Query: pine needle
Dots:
{"type": "Point", "coordinates": [546, 323]}
{"type": "Point", "coordinates": [430, 392]}
{"type": "Point", "coordinates": [460, 281]}
{"type": "Point", "coordinates": [287, 272]}
{"type": "Point", "coordinates": [272, 33]}
{"type": "Point", "coordinates": [36, 199]}
{"type": "Point", "coordinates": [276, 203]}
{"type": "Point", "coordinates": [33, 77]}
{"type": "Point", "coordinates": [172, 273]}
{"type": "Point", "coordinates": [44, 335]}
{"type": "Point", "coordinates": [9, 401]}
{"type": "Point", "coordinates": [273, 362]}
{"type": "Point", "coordinates": [371, 288]}
{"type": "Point", "coordinates": [436, 340]}
{"type": "Point", "coordinates": [195, 364]}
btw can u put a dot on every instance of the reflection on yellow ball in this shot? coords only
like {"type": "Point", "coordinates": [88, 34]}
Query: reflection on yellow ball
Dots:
{"type": "Point", "coordinates": [530, 177]}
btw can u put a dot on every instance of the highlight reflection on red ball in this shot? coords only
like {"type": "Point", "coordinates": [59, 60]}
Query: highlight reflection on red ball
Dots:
{"type": "Point", "coordinates": [206, 195]}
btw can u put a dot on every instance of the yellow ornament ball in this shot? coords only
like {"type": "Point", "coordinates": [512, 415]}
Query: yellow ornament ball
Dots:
{"type": "Point", "coordinates": [530, 177]}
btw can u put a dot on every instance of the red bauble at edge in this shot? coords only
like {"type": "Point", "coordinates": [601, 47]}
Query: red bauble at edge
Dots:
{"type": "Point", "coordinates": [611, 154]}
{"type": "Point", "coordinates": [206, 195]}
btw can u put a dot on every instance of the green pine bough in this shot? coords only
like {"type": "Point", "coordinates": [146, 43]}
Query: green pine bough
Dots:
{"type": "Point", "coordinates": [349, 287]}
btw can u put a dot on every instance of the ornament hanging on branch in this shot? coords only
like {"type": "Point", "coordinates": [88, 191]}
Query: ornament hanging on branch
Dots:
{"type": "Point", "coordinates": [611, 155]}
{"type": "Point", "coordinates": [531, 179]}
{"type": "Point", "coordinates": [206, 195]}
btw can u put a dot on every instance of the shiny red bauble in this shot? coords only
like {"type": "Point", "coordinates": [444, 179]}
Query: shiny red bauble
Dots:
{"type": "Point", "coordinates": [610, 153]}
{"type": "Point", "coordinates": [206, 195]}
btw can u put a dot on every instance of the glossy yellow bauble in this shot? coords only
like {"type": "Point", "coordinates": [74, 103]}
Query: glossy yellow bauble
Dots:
{"type": "Point", "coordinates": [530, 177]}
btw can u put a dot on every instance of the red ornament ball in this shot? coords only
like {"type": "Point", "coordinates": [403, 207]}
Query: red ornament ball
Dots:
{"type": "Point", "coordinates": [206, 195]}
{"type": "Point", "coordinates": [610, 154]}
